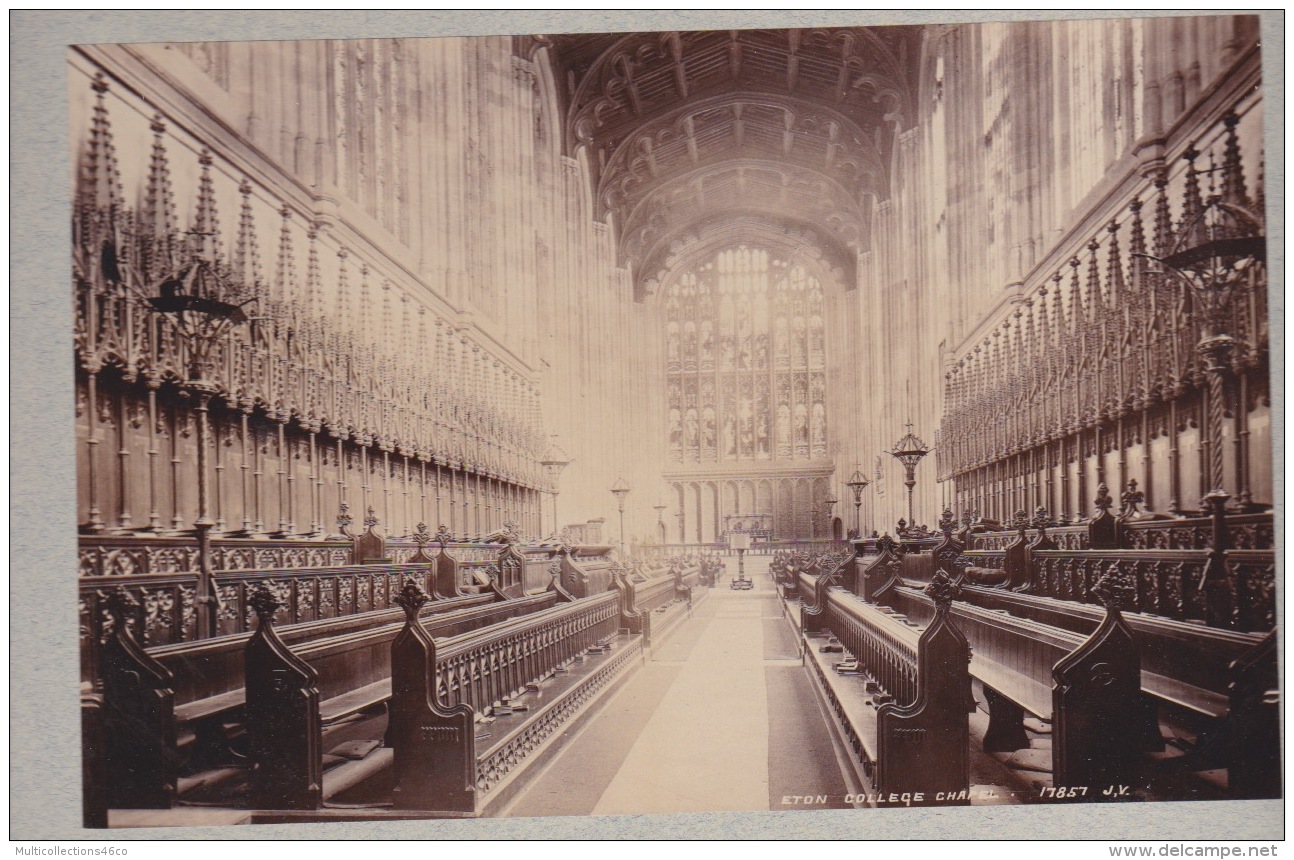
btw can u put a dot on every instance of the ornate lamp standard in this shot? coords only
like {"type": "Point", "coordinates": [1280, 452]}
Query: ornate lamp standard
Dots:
{"type": "Point", "coordinates": [659, 507]}
{"type": "Point", "coordinates": [856, 483]}
{"type": "Point", "coordinates": [620, 489]}
{"type": "Point", "coordinates": [1217, 251]}
{"type": "Point", "coordinates": [555, 459]}
{"type": "Point", "coordinates": [198, 299]}
{"type": "Point", "coordinates": [909, 450]}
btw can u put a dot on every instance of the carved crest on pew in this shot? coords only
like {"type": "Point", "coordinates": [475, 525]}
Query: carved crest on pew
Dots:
{"type": "Point", "coordinates": [443, 536]}
{"type": "Point", "coordinates": [947, 522]}
{"type": "Point", "coordinates": [885, 543]}
{"type": "Point", "coordinates": [509, 533]}
{"type": "Point", "coordinates": [370, 521]}
{"type": "Point", "coordinates": [421, 536]}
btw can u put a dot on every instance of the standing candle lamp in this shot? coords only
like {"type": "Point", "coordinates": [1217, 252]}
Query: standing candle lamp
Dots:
{"type": "Point", "coordinates": [203, 306]}
{"type": "Point", "coordinates": [909, 450]}
{"type": "Point", "coordinates": [856, 483]}
{"type": "Point", "coordinates": [620, 489]}
{"type": "Point", "coordinates": [555, 460]}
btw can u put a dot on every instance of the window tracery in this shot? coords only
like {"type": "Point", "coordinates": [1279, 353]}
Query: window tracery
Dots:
{"type": "Point", "coordinates": [745, 351]}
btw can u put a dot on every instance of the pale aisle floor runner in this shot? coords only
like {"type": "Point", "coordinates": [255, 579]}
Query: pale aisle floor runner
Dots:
{"type": "Point", "coordinates": [705, 748]}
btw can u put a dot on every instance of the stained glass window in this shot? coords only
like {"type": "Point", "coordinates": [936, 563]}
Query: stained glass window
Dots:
{"type": "Point", "coordinates": [745, 358]}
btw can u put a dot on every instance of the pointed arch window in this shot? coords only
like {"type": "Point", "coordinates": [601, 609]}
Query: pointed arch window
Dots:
{"type": "Point", "coordinates": [745, 355]}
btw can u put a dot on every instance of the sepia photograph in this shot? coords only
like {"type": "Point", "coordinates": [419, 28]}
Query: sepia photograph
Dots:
{"type": "Point", "coordinates": [835, 417]}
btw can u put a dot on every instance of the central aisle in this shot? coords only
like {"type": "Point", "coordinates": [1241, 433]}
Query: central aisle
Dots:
{"type": "Point", "coordinates": [706, 746]}
{"type": "Point", "coordinates": [721, 718]}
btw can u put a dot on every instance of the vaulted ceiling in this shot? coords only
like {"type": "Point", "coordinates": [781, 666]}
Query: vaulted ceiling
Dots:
{"type": "Point", "coordinates": [685, 131]}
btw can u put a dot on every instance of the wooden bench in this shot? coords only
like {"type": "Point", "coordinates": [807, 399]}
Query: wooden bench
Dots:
{"type": "Point", "coordinates": [293, 695]}
{"type": "Point", "coordinates": [442, 686]}
{"type": "Point", "coordinates": [167, 708]}
{"type": "Point", "coordinates": [1089, 687]}
{"type": "Point", "coordinates": [908, 722]}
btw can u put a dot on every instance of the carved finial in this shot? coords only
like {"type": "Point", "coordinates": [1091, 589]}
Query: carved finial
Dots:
{"type": "Point", "coordinates": [1112, 588]}
{"type": "Point", "coordinates": [264, 603]}
{"type": "Point", "coordinates": [967, 519]}
{"type": "Point", "coordinates": [903, 527]}
{"type": "Point", "coordinates": [1103, 500]}
{"type": "Point", "coordinates": [566, 537]}
{"type": "Point", "coordinates": [1131, 498]}
{"type": "Point", "coordinates": [1041, 519]}
{"type": "Point", "coordinates": [492, 571]}
{"type": "Point", "coordinates": [411, 599]}
{"type": "Point", "coordinates": [510, 533]}
{"type": "Point", "coordinates": [344, 519]}
{"type": "Point", "coordinates": [421, 536]}
{"type": "Point", "coordinates": [885, 543]}
{"type": "Point", "coordinates": [370, 521]}
{"type": "Point", "coordinates": [122, 606]}
{"type": "Point", "coordinates": [943, 591]}
{"type": "Point", "coordinates": [1020, 522]}
{"type": "Point", "coordinates": [555, 568]}
{"type": "Point", "coordinates": [947, 522]}
{"type": "Point", "coordinates": [444, 536]}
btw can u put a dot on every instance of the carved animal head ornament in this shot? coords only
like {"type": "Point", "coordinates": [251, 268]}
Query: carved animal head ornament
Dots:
{"type": "Point", "coordinates": [421, 536]}
{"type": "Point", "coordinates": [947, 522]}
{"type": "Point", "coordinates": [1020, 522]}
{"type": "Point", "coordinates": [344, 519]}
{"type": "Point", "coordinates": [371, 520]}
{"type": "Point", "coordinates": [444, 535]}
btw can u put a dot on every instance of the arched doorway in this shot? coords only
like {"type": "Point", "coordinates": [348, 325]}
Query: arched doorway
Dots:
{"type": "Point", "coordinates": [837, 529]}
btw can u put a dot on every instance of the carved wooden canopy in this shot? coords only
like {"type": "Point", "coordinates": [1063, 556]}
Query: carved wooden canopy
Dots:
{"type": "Point", "coordinates": [686, 129]}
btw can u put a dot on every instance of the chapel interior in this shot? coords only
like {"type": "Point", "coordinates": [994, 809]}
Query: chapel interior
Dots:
{"type": "Point", "coordinates": [634, 422]}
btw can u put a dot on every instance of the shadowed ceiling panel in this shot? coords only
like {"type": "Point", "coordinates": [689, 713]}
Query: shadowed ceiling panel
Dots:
{"type": "Point", "coordinates": [681, 127]}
